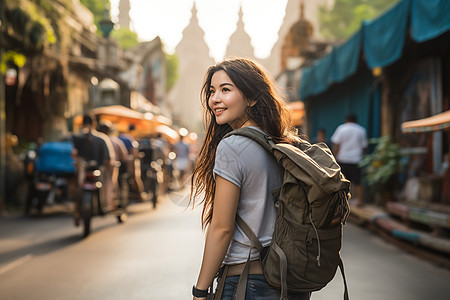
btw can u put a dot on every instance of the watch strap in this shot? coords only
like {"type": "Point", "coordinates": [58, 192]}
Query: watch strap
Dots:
{"type": "Point", "coordinates": [199, 293]}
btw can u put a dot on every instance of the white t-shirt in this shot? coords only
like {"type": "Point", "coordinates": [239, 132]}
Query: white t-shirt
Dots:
{"type": "Point", "coordinates": [352, 140]}
{"type": "Point", "coordinates": [255, 171]}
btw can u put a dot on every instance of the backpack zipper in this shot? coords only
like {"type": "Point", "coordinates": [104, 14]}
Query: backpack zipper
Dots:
{"type": "Point", "coordinates": [318, 239]}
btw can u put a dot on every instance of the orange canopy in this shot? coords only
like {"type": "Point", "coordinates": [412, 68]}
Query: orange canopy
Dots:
{"type": "Point", "coordinates": [168, 132]}
{"type": "Point", "coordinates": [122, 117]}
{"type": "Point", "coordinates": [118, 111]}
{"type": "Point", "coordinates": [433, 123]}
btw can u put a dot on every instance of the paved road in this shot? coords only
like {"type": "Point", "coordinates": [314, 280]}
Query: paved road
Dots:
{"type": "Point", "coordinates": [156, 254]}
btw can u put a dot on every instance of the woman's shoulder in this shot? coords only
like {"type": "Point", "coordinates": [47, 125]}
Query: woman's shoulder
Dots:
{"type": "Point", "coordinates": [240, 148]}
{"type": "Point", "coordinates": [237, 143]}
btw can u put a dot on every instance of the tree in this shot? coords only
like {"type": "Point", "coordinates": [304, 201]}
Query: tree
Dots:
{"type": "Point", "coordinates": [172, 70]}
{"type": "Point", "coordinates": [97, 7]}
{"type": "Point", "coordinates": [35, 22]}
{"type": "Point", "coordinates": [126, 38]}
{"type": "Point", "coordinates": [346, 16]}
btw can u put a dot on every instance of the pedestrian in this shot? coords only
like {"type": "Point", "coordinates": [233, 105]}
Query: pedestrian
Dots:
{"type": "Point", "coordinates": [349, 145]}
{"type": "Point", "coordinates": [321, 137]}
{"type": "Point", "coordinates": [182, 162]}
{"type": "Point", "coordinates": [236, 175]}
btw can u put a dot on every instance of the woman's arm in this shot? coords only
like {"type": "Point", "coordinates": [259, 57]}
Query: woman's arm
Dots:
{"type": "Point", "coordinates": [220, 231]}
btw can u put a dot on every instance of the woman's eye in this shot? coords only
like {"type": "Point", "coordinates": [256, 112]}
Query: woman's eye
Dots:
{"type": "Point", "coordinates": [225, 90]}
{"type": "Point", "coordinates": [211, 91]}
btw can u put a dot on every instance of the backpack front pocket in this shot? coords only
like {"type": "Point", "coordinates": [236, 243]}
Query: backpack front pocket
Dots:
{"type": "Point", "coordinates": [322, 248]}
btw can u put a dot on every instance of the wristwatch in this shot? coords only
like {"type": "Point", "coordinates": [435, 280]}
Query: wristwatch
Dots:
{"type": "Point", "coordinates": [199, 293]}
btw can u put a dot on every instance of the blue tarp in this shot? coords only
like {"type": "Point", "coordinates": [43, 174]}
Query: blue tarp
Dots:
{"type": "Point", "coordinates": [384, 37]}
{"type": "Point", "coordinates": [346, 58]}
{"type": "Point", "coordinates": [322, 74]}
{"type": "Point", "coordinates": [341, 63]}
{"type": "Point", "coordinates": [56, 158]}
{"type": "Point", "coordinates": [382, 41]}
{"type": "Point", "coordinates": [429, 19]}
{"type": "Point", "coordinates": [306, 82]}
{"type": "Point", "coordinates": [354, 96]}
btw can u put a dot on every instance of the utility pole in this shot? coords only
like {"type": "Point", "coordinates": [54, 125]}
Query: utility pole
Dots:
{"type": "Point", "coordinates": [2, 115]}
{"type": "Point", "coordinates": [2, 139]}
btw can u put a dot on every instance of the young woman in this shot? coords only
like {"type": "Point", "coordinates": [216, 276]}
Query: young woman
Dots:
{"type": "Point", "coordinates": [236, 175]}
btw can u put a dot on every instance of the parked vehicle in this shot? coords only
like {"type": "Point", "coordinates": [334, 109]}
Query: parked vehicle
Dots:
{"type": "Point", "coordinates": [48, 172]}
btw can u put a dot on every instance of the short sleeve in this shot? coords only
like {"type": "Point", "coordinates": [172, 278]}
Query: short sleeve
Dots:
{"type": "Point", "coordinates": [365, 142]}
{"type": "Point", "coordinates": [227, 163]}
{"type": "Point", "coordinates": [336, 137]}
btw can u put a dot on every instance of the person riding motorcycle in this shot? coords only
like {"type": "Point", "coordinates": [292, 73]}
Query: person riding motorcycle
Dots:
{"type": "Point", "coordinates": [91, 145]}
{"type": "Point", "coordinates": [134, 164]}
{"type": "Point", "coordinates": [121, 155]}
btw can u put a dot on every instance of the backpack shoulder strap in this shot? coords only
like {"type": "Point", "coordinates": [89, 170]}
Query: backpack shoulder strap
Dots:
{"type": "Point", "coordinates": [261, 138]}
{"type": "Point", "coordinates": [255, 243]}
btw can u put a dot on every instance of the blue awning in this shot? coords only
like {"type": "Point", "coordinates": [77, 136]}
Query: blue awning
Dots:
{"type": "Point", "coordinates": [306, 83]}
{"type": "Point", "coordinates": [322, 74]}
{"type": "Point", "coordinates": [341, 63]}
{"type": "Point", "coordinates": [346, 58]}
{"type": "Point", "coordinates": [429, 19]}
{"type": "Point", "coordinates": [382, 41]}
{"type": "Point", "coordinates": [384, 37]}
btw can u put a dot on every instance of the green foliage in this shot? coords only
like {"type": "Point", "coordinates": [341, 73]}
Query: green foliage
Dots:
{"type": "Point", "coordinates": [346, 17]}
{"type": "Point", "coordinates": [126, 38]}
{"type": "Point", "coordinates": [17, 58]}
{"type": "Point", "coordinates": [31, 20]}
{"type": "Point", "coordinates": [383, 165]}
{"type": "Point", "coordinates": [97, 7]}
{"type": "Point", "coordinates": [171, 70]}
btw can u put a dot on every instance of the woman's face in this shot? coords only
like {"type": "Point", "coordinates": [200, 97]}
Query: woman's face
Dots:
{"type": "Point", "coordinates": [226, 101]}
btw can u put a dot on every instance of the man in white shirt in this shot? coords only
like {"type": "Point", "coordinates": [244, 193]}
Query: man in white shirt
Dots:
{"type": "Point", "coordinates": [350, 142]}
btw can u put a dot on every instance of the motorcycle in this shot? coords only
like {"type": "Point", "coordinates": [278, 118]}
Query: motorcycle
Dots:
{"type": "Point", "coordinates": [152, 173]}
{"type": "Point", "coordinates": [152, 177]}
{"type": "Point", "coordinates": [46, 189]}
{"type": "Point", "coordinates": [48, 174]}
{"type": "Point", "coordinates": [92, 201]}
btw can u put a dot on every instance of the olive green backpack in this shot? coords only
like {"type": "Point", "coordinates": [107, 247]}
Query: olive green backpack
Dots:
{"type": "Point", "coordinates": [312, 209]}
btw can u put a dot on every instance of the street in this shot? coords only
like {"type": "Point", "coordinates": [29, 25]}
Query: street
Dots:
{"type": "Point", "coordinates": [156, 254]}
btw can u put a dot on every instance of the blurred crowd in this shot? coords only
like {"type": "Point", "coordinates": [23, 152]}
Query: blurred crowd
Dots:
{"type": "Point", "coordinates": [134, 168]}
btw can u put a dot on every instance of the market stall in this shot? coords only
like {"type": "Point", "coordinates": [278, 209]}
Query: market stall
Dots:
{"type": "Point", "coordinates": [434, 123]}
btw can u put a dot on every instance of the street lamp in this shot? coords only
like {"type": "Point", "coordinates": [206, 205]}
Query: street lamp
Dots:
{"type": "Point", "coordinates": [106, 25]}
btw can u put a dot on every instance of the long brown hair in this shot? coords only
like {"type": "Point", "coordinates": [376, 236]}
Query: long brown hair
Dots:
{"type": "Point", "coordinates": [268, 111]}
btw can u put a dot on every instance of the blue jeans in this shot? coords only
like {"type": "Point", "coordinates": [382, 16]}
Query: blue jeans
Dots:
{"type": "Point", "coordinates": [257, 289]}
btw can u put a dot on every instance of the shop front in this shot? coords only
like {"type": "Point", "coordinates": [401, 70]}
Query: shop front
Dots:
{"type": "Point", "coordinates": [433, 185]}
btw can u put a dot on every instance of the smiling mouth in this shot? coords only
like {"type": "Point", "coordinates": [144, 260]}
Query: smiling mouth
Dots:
{"type": "Point", "coordinates": [219, 110]}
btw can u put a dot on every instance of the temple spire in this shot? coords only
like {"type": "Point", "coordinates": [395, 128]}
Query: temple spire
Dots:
{"type": "Point", "coordinates": [240, 43]}
{"type": "Point", "coordinates": [124, 14]}
{"type": "Point", "coordinates": [194, 59]}
{"type": "Point", "coordinates": [302, 10]}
